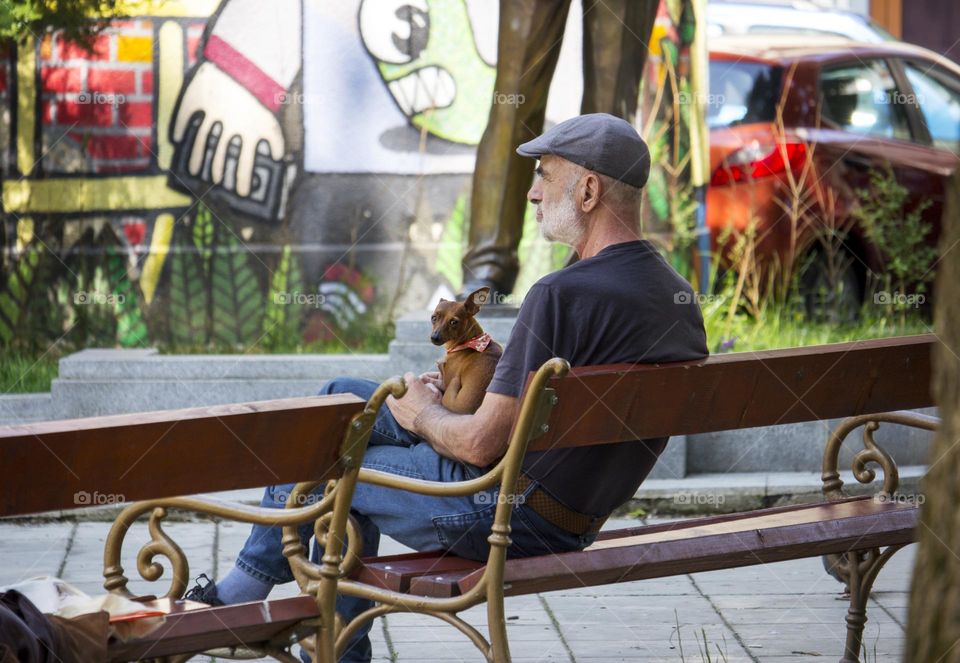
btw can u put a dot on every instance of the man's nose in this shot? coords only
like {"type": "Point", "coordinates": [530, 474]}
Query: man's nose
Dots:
{"type": "Point", "coordinates": [534, 195]}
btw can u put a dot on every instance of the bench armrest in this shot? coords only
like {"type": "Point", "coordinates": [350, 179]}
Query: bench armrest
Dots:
{"type": "Point", "coordinates": [872, 452]}
{"type": "Point", "coordinates": [162, 544]}
{"type": "Point", "coordinates": [330, 513]}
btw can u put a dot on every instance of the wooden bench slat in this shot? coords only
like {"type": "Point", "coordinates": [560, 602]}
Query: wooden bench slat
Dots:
{"type": "Point", "coordinates": [395, 572]}
{"type": "Point", "coordinates": [172, 452]}
{"type": "Point", "coordinates": [198, 629]}
{"type": "Point", "coordinates": [739, 390]}
{"type": "Point", "coordinates": [881, 525]}
{"type": "Point", "coordinates": [703, 544]}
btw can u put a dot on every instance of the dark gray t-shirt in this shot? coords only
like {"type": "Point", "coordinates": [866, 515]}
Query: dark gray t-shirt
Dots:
{"type": "Point", "coordinates": [625, 304]}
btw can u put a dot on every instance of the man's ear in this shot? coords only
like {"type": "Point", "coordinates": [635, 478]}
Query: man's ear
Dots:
{"type": "Point", "coordinates": [476, 299]}
{"type": "Point", "coordinates": [589, 192]}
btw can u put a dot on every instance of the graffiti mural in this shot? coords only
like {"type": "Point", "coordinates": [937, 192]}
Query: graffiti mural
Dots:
{"type": "Point", "coordinates": [236, 173]}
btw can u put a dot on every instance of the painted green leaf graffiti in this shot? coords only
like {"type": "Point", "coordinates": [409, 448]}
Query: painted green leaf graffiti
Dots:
{"type": "Point", "coordinates": [203, 234]}
{"type": "Point", "coordinates": [281, 320]}
{"type": "Point", "coordinates": [131, 328]}
{"type": "Point", "coordinates": [188, 294]}
{"type": "Point", "coordinates": [13, 299]}
{"type": "Point", "coordinates": [237, 300]}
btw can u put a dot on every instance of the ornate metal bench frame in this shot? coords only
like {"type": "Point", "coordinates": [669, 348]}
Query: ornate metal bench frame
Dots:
{"type": "Point", "coordinates": [330, 515]}
{"type": "Point", "coordinates": [858, 569]}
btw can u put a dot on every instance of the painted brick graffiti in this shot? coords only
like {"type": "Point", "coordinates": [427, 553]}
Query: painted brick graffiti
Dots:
{"type": "Point", "coordinates": [97, 106]}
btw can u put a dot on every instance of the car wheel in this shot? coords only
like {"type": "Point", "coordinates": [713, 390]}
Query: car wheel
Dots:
{"type": "Point", "coordinates": [831, 290]}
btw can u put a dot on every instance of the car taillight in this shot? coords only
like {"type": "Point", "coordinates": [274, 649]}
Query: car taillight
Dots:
{"type": "Point", "coordinates": [756, 161]}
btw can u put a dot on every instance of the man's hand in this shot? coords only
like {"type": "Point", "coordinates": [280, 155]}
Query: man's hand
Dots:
{"type": "Point", "coordinates": [419, 396]}
{"type": "Point", "coordinates": [434, 378]}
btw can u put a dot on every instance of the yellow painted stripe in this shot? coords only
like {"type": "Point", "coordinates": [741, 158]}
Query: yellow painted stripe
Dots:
{"type": "Point", "coordinates": [166, 8]}
{"type": "Point", "coordinates": [64, 195]}
{"type": "Point", "coordinates": [159, 248]}
{"type": "Point", "coordinates": [26, 104]}
{"type": "Point", "coordinates": [170, 82]}
{"type": "Point", "coordinates": [134, 49]}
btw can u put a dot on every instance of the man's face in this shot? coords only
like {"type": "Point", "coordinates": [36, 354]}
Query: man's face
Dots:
{"type": "Point", "coordinates": [554, 194]}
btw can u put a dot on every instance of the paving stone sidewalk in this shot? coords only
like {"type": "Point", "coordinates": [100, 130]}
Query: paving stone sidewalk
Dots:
{"type": "Point", "coordinates": [781, 613]}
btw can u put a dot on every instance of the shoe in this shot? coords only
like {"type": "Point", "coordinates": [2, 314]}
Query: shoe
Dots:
{"type": "Point", "coordinates": [204, 593]}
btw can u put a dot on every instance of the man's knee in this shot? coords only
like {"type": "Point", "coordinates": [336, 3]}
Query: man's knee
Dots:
{"type": "Point", "coordinates": [344, 385]}
{"type": "Point", "coordinates": [335, 386]}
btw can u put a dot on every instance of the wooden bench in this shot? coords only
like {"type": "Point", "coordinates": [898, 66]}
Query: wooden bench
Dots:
{"type": "Point", "coordinates": [560, 407]}
{"type": "Point", "coordinates": [868, 381]}
{"type": "Point", "coordinates": [157, 456]}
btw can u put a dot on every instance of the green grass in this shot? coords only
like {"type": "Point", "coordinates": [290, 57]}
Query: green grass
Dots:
{"type": "Point", "coordinates": [26, 373]}
{"type": "Point", "coordinates": [778, 328]}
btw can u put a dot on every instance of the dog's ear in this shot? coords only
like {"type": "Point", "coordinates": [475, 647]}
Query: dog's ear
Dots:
{"type": "Point", "coordinates": [476, 299]}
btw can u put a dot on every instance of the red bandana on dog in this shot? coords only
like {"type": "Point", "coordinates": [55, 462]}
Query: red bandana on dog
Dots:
{"type": "Point", "coordinates": [478, 343]}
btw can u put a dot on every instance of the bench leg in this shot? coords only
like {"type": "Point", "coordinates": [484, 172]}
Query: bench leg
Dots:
{"type": "Point", "coordinates": [496, 618]}
{"type": "Point", "coordinates": [859, 569]}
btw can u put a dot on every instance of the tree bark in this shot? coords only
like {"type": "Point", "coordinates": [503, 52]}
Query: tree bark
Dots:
{"type": "Point", "coordinates": [933, 633]}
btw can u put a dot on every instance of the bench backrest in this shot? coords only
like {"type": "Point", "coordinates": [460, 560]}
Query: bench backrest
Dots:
{"type": "Point", "coordinates": [605, 404]}
{"type": "Point", "coordinates": [83, 462]}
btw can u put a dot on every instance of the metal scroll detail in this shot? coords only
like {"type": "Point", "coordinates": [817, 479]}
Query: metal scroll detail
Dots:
{"type": "Point", "coordinates": [857, 569]}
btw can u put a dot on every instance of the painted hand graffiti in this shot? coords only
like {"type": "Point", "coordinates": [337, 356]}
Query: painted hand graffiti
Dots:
{"type": "Point", "coordinates": [226, 126]}
{"type": "Point", "coordinates": [237, 118]}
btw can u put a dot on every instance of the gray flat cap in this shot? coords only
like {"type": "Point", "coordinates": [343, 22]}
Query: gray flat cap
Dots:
{"type": "Point", "coordinates": [599, 142]}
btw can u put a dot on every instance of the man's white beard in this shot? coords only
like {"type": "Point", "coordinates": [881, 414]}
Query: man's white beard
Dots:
{"type": "Point", "coordinates": [562, 223]}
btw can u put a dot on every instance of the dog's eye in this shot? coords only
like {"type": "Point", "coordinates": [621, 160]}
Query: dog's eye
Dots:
{"type": "Point", "coordinates": [453, 323]}
{"type": "Point", "coordinates": [433, 318]}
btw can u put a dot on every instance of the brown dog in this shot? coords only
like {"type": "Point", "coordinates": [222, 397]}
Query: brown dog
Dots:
{"type": "Point", "coordinates": [467, 367]}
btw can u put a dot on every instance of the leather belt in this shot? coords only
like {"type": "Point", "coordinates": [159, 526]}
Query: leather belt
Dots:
{"type": "Point", "coordinates": [548, 508]}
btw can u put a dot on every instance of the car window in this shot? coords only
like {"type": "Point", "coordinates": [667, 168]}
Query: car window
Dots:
{"type": "Point", "coordinates": [864, 99]}
{"type": "Point", "coordinates": [938, 95]}
{"type": "Point", "coordinates": [742, 92]}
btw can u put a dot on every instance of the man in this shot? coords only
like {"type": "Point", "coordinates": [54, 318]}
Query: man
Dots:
{"type": "Point", "coordinates": [619, 303]}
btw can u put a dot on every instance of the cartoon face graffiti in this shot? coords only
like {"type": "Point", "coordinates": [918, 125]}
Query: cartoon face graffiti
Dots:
{"type": "Point", "coordinates": [441, 81]}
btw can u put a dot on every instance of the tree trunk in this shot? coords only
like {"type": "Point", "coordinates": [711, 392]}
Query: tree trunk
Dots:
{"type": "Point", "coordinates": [933, 633]}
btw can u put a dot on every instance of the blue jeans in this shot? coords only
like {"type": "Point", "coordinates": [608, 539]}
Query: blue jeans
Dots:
{"type": "Point", "coordinates": [422, 522]}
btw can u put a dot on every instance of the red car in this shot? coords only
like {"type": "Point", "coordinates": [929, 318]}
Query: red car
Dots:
{"type": "Point", "coordinates": [847, 109]}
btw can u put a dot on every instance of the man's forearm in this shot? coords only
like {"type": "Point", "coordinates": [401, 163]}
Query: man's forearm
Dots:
{"type": "Point", "coordinates": [479, 438]}
{"type": "Point", "coordinates": [451, 435]}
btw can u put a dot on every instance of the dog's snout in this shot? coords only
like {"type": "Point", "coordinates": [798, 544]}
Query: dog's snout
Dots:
{"type": "Point", "coordinates": [435, 338]}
